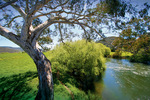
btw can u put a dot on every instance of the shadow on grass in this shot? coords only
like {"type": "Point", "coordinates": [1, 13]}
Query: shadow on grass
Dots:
{"type": "Point", "coordinates": [17, 87]}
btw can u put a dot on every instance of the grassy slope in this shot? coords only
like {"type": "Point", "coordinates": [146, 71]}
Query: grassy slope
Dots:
{"type": "Point", "coordinates": [108, 41]}
{"type": "Point", "coordinates": [18, 80]}
{"type": "Point", "coordinates": [18, 77]}
{"type": "Point", "coordinates": [15, 63]}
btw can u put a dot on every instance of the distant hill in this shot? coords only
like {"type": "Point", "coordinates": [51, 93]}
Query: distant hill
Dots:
{"type": "Point", "coordinates": [108, 41]}
{"type": "Point", "coordinates": [10, 49]}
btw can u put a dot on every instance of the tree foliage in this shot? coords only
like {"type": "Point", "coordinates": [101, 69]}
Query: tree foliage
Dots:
{"type": "Point", "coordinates": [66, 15]}
{"type": "Point", "coordinates": [135, 36]}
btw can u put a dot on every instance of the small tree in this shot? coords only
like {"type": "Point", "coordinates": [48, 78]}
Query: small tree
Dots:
{"type": "Point", "coordinates": [60, 15]}
{"type": "Point", "coordinates": [82, 60]}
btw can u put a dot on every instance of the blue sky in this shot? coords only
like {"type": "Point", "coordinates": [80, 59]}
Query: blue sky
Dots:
{"type": "Point", "coordinates": [6, 42]}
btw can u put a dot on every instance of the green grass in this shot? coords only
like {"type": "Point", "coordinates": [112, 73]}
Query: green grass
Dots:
{"type": "Point", "coordinates": [15, 63]}
{"type": "Point", "coordinates": [19, 80]}
{"type": "Point", "coordinates": [18, 77]}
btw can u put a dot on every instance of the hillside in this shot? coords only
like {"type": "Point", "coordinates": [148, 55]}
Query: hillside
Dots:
{"type": "Point", "coordinates": [108, 41]}
{"type": "Point", "coordinates": [10, 49]}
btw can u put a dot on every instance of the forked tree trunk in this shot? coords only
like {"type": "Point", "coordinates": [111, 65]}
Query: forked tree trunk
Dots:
{"type": "Point", "coordinates": [45, 88]}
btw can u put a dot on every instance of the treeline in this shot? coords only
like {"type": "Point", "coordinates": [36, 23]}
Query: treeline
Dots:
{"type": "Point", "coordinates": [138, 45]}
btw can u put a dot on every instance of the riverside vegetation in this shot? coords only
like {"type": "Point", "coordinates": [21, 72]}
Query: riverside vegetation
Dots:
{"type": "Point", "coordinates": [75, 65]}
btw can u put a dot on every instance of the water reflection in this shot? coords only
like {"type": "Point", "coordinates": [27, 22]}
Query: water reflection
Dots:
{"type": "Point", "coordinates": [99, 86]}
{"type": "Point", "coordinates": [125, 80]}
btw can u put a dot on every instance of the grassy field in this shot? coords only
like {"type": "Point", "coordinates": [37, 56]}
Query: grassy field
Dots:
{"type": "Point", "coordinates": [18, 78]}
{"type": "Point", "coordinates": [19, 81]}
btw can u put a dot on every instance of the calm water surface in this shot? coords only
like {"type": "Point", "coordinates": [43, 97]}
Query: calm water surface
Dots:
{"type": "Point", "coordinates": [124, 80]}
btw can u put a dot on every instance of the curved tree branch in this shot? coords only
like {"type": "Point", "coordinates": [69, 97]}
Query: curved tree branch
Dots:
{"type": "Point", "coordinates": [58, 19]}
{"type": "Point", "coordinates": [38, 5]}
{"type": "Point", "coordinates": [13, 19]}
{"type": "Point", "coordinates": [22, 13]}
{"type": "Point", "coordinates": [62, 11]}
{"type": "Point", "coordinates": [9, 35]}
{"type": "Point", "coordinates": [15, 6]}
{"type": "Point", "coordinates": [7, 3]}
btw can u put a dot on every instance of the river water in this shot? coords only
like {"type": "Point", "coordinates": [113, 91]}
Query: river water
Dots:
{"type": "Point", "coordinates": [124, 80]}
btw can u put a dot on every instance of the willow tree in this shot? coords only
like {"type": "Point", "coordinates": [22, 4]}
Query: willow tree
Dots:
{"type": "Point", "coordinates": [28, 19]}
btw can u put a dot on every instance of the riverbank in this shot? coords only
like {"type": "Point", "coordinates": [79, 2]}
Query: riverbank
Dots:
{"type": "Point", "coordinates": [137, 58]}
{"type": "Point", "coordinates": [121, 80]}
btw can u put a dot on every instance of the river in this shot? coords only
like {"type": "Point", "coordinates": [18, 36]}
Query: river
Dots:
{"type": "Point", "coordinates": [124, 80]}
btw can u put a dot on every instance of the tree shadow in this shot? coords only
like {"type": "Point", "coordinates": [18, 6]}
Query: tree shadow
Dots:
{"type": "Point", "coordinates": [16, 87]}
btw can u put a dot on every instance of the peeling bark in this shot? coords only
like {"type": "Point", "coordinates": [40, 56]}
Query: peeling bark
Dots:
{"type": "Point", "coordinates": [45, 91]}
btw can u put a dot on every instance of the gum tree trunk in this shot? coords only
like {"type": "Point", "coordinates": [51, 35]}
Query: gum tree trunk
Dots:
{"type": "Point", "coordinates": [45, 91]}
{"type": "Point", "coordinates": [45, 88]}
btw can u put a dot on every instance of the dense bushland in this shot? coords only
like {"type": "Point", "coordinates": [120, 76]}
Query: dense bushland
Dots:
{"type": "Point", "coordinates": [138, 45]}
{"type": "Point", "coordinates": [142, 56]}
{"type": "Point", "coordinates": [141, 50]}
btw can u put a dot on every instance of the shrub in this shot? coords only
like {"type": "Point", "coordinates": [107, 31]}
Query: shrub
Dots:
{"type": "Point", "coordinates": [117, 54]}
{"type": "Point", "coordinates": [107, 52]}
{"type": "Point", "coordinates": [80, 60]}
{"type": "Point", "coordinates": [142, 56]}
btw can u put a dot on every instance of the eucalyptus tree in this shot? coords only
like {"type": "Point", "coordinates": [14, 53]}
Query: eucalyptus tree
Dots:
{"type": "Point", "coordinates": [134, 30]}
{"type": "Point", "coordinates": [28, 19]}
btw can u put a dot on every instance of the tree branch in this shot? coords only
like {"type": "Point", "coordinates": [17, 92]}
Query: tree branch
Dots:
{"type": "Point", "coordinates": [27, 6]}
{"type": "Point", "coordinates": [83, 29]}
{"type": "Point", "coordinates": [7, 3]}
{"type": "Point", "coordinates": [79, 23]}
{"type": "Point", "coordinates": [9, 35]}
{"type": "Point", "coordinates": [61, 36]}
{"type": "Point", "coordinates": [38, 30]}
{"type": "Point", "coordinates": [58, 19]}
{"type": "Point", "coordinates": [45, 14]}
{"type": "Point", "coordinates": [13, 19]}
{"type": "Point", "coordinates": [15, 6]}
{"type": "Point", "coordinates": [59, 5]}
{"type": "Point", "coordinates": [22, 13]}
{"type": "Point", "coordinates": [62, 11]}
{"type": "Point", "coordinates": [47, 23]}
{"type": "Point", "coordinates": [37, 6]}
